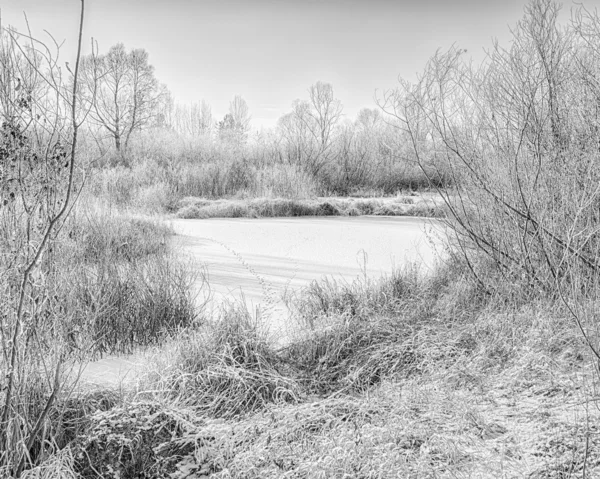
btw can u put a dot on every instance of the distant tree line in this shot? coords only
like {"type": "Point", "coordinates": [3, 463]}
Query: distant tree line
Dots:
{"type": "Point", "coordinates": [121, 96]}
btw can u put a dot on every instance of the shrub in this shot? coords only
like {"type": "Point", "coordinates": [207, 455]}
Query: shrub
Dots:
{"type": "Point", "coordinates": [141, 439]}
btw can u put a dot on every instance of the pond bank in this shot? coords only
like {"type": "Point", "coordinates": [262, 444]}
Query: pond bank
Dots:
{"type": "Point", "coordinates": [421, 205]}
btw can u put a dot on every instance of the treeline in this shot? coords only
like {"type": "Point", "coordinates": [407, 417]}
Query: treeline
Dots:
{"type": "Point", "coordinates": [125, 106]}
{"type": "Point", "coordinates": [123, 111]}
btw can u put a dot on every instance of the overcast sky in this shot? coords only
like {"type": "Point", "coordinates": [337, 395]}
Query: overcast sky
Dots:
{"type": "Point", "coordinates": [271, 51]}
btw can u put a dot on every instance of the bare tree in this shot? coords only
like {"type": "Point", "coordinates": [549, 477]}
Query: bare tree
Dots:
{"type": "Point", "coordinates": [193, 120]}
{"type": "Point", "coordinates": [369, 119]}
{"type": "Point", "coordinates": [239, 111]}
{"type": "Point", "coordinates": [298, 139]}
{"type": "Point", "coordinates": [122, 91]}
{"type": "Point", "coordinates": [205, 118]}
{"type": "Point", "coordinates": [326, 112]}
{"type": "Point", "coordinates": [309, 129]}
{"type": "Point", "coordinates": [235, 126]}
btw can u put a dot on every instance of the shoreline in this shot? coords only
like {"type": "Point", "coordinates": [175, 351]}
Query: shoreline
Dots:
{"type": "Point", "coordinates": [405, 205]}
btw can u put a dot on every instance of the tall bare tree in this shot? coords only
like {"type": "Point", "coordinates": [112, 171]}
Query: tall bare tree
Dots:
{"type": "Point", "coordinates": [296, 134]}
{"type": "Point", "coordinates": [325, 113]}
{"type": "Point", "coordinates": [308, 130]}
{"type": "Point", "coordinates": [122, 92]}
{"type": "Point", "coordinates": [205, 118]}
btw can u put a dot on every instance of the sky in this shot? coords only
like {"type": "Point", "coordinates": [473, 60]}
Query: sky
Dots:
{"type": "Point", "coordinates": [271, 51]}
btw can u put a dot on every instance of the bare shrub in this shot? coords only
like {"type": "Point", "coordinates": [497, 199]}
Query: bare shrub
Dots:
{"type": "Point", "coordinates": [38, 145]}
{"type": "Point", "coordinates": [519, 137]}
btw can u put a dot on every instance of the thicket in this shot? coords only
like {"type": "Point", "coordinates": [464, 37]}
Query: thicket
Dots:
{"type": "Point", "coordinates": [163, 167]}
{"type": "Point", "coordinates": [519, 136]}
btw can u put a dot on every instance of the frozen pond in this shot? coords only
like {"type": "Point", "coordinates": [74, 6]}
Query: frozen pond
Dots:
{"type": "Point", "coordinates": [264, 258]}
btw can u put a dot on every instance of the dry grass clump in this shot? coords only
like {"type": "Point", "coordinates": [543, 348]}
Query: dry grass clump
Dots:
{"type": "Point", "coordinates": [360, 298]}
{"type": "Point", "coordinates": [254, 208]}
{"type": "Point", "coordinates": [227, 368]}
{"type": "Point", "coordinates": [119, 283]}
{"type": "Point", "coordinates": [59, 465]}
{"type": "Point", "coordinates": [351, 356]}
{"type": "Point", "coordinates": [74, 411]}
{"type": "Point", "coordinates": [119, 307]}
{"type": "Point", "coordinates": [357, 335]}
{"type": "Point", "coordinates": [426, 210]}
{"type": "Point", "coordinates": [96, 235]}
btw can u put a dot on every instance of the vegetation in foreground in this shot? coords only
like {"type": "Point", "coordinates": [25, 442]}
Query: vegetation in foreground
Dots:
{"type": "Point", "coordinates": [409, 376]}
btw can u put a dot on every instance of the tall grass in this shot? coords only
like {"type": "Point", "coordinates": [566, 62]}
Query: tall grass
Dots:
{"type": "Point", "coordinates": [227, 368]}
{"type": "Point", "coordinates": [125, 287]}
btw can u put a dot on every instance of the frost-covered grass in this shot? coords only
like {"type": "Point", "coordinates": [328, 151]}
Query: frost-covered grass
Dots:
{"type": "Point", "coordinates": [201, 208]}
{"type": "Point", "coordinates": [409, 376]}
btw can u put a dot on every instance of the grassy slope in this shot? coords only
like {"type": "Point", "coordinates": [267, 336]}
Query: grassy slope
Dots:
{"type": "Point", "coordinates": [408, 377]}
